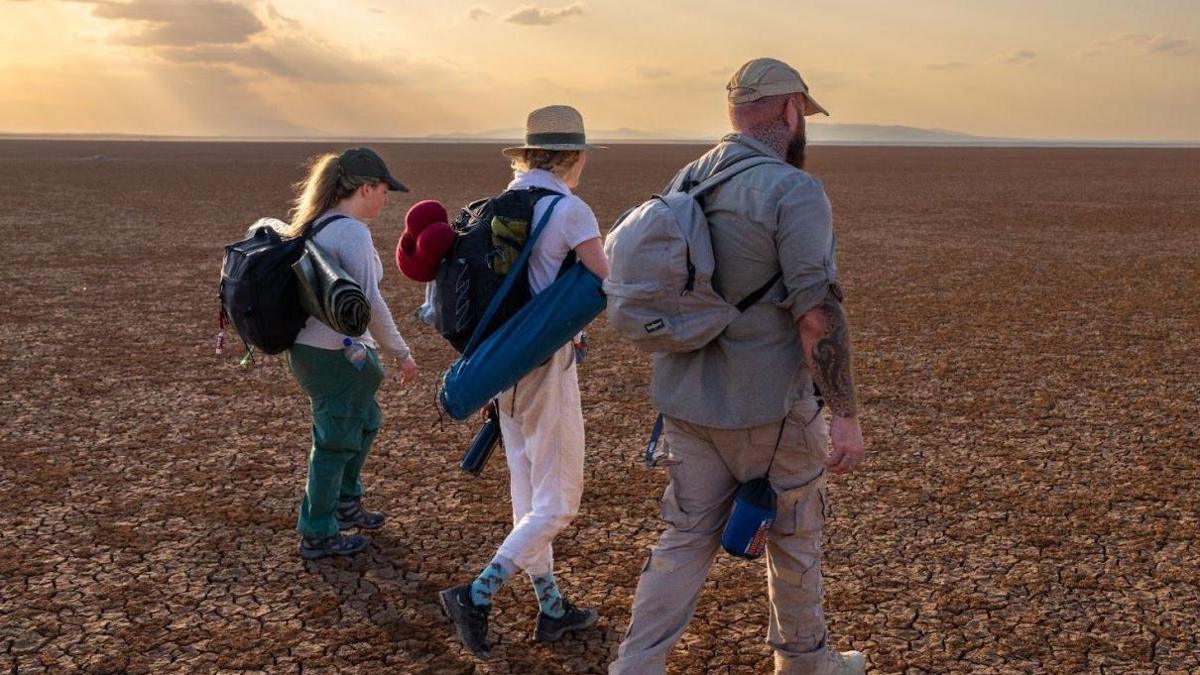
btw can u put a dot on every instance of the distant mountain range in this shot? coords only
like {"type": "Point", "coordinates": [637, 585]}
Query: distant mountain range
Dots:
{"type": "Point", "coordinates": [870, 134]}
{"type": "Point", "coordinates": [818, 133]}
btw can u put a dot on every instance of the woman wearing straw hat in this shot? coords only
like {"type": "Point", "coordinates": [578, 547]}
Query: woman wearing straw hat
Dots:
{"type": "Point", "coordinates": [343, 190]}
{"type": "Point", "coordinates": [540, 417]}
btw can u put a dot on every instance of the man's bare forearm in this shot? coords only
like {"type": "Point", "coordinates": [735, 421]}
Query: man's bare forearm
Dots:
{"type": "Point", "coordinates": [830, 361]}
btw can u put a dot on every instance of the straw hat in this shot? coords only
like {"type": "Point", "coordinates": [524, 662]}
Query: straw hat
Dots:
{"type": "Point", "coordinates": [555, 127]}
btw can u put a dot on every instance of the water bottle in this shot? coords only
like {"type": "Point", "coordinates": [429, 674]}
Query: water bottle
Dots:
{"type": "Point", "coordinates": [356, 353]}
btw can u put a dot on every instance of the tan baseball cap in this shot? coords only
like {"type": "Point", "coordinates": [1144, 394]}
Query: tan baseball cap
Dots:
{"type": "Point", "coordinates": [769, 77]}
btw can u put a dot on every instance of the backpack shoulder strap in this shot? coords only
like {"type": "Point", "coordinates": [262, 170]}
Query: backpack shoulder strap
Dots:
{"type": "Point", "coordinates": [758, 293]}
{"type": "Point", "coordinates": [725, 173]}
{"type": "Point", "coordinates": [720, 176]}
{"type": "Point", "coordinates": [517, 269]}
{"type": "Point", "coordinates": [317, 227]}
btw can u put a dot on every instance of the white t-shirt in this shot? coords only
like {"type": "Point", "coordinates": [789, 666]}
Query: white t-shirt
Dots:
{"type": "Point", "coordinates": [571, 224]}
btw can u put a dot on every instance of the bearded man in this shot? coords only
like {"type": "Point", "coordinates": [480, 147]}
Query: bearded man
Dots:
{"type": "Point", "coordinates": [745, 405]}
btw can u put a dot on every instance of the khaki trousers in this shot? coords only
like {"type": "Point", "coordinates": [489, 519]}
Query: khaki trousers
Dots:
{"type": "Point", "coordinates": [699, 495]}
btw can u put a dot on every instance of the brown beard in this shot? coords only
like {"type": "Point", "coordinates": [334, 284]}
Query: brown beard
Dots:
{"type": "Point", "coordinates": [776, 136]}
{"type": "Point", "coordinates": [795, 149]}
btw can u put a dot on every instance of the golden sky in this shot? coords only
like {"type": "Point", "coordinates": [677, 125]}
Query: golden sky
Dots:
{"type": "Point", "coordinates": [1073, 69]}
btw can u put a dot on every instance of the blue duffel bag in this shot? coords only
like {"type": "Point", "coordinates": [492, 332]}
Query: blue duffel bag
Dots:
{"type": "Point", "coordinates": [524, 342]}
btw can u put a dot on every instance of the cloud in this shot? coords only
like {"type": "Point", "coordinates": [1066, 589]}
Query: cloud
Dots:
{"type": "Point", "coordinates": [280, 19]}
{"type": "Point", "coordinates": [1158, 44]}
{"type": "Point", "coordinates": [948, 65]}
{"type": "Point", "coordinates": [1019, 57]}
{"type": "Point", "coordinates": [478, 14]}
{"type": "Point", "coordinates": [652, 73]}
{"type": "Point", "coordinates": [291, 58]}
{"type": "Point", "coordinates": [537, 16]}
{"type": "Point", "coordinates": [182, 23]}
{"type": "Point", "coordinates": [222, 36]}
{"type": "Point", "coordinates": [1143, 44]}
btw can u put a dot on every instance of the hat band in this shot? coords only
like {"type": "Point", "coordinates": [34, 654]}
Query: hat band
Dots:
{"type": "Point", "coordinates": [556, 139]}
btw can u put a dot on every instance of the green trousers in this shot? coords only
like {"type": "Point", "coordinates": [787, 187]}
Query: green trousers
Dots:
{"type": "Point", "coordinates": [346, 418]}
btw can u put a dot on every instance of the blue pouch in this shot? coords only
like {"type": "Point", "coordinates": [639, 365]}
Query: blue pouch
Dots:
{"type": "Point", "coordinates": [753, 512]}
{"type": "Point", "coordinates": [524, 342]}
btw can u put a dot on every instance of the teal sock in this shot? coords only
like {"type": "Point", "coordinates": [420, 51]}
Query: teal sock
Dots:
{"type": "Point", "coordinates": [490, 579]}
{"type": "Point", "coordinates": [548, 596]}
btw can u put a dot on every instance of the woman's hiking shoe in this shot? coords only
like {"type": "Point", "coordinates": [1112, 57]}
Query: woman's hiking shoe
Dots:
{"type": "Point", "coordinates": [312, 548]}
{"type": "Point", "coordinates": [350, 513]}
{"type": "Point", "coordinates": [469, 619]}
{"type": "Point", "coordinates": [550, 629]}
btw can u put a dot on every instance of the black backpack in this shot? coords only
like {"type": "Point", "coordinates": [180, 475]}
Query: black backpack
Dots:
{"type": "Point", "coordinates": [491, 233]}
{"type": "Point", "coordinates": [259, 290]}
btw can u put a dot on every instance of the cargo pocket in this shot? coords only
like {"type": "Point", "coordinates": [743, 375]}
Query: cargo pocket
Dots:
{"type": "Point", "coordinates": [672, 513]}
{"type": "Point", "coordinates": [802, 510]}
{"type": "Point", "coordinates": [345, 428]}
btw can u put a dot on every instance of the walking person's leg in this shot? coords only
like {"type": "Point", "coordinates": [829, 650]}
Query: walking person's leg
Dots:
{"type": "Point", "coordinates": [797, 632]}
{"type": "Point", "coordinates": [555, 448]}
{"type": "Point", "coordinates": [695, 506]}
{"type": "Point", "coordinates": [547, 470]}
{"type": "Point", "coordinates": [350, 511]}
{"type": "Point", "coordinates": [342, 424]}
{"type": "Point", "coordinates": [553, 426]}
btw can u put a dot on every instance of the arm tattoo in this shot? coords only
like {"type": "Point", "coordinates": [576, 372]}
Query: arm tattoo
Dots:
{"type": "Point", "coordinates": [833, 368]}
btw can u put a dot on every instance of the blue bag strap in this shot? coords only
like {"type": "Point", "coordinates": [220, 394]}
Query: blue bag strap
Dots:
{"type": "Point", "coordinates": [652, 445]}
{"type": "Point", "coordinates": [509, 279]}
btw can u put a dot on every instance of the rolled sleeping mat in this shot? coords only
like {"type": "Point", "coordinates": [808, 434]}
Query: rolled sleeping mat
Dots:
{"type": "Point", "coordinates": [329, 294]}
{"type": "Point", "coordinates": [524, 342]}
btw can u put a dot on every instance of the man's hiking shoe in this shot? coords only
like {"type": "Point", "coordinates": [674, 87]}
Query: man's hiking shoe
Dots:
{"type": "Point", "coordinates": [339, 544]}
{"type": "Point", "coordinates": [550, 629]}
{"type": "Point", "coordinates": [845, 663]}
{"type": "Point", "coordinates": [350, 513]}
{"type": "Point", "coordinates": [469, 619]}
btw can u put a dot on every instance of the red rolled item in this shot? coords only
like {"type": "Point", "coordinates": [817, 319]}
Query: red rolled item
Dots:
{"type": "Point", "coordinates": [426, 238]}
{"type": "Point", "coordinates": [425, 213]}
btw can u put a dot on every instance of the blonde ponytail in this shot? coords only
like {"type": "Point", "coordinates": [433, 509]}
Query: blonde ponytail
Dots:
{"type": "Point", "coordinates": [325, 185]}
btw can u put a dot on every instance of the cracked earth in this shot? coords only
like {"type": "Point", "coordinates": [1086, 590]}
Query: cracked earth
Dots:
{"type": "Point", "coordinates": [1025, 324]}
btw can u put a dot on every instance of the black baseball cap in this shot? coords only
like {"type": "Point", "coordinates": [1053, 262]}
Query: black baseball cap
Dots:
{"type": "Point", "coordinates": [366, 163]}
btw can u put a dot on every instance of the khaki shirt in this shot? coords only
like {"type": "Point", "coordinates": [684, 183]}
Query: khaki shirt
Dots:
{"type": "Point", "coordinates": [770, 218]}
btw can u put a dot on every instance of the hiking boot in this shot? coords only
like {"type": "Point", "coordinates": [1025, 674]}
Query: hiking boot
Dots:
{"type": "Point", "coordinates": [312, 548]}
{"type": "Point", "coordinates": [350, 513]}
{"type": "Point", "coordinates": [845, 663]}
{"type": "Point", "coordinates": [469, 619]}
{"type": "Point", "coordinates": [574, 618]}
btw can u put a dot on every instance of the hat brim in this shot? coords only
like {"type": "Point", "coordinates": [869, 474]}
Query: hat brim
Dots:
{"type": "Point", "coordinates": [813, 107]}
{"type": "Point", "coordinates": [567, 147]}
{"type": "Point", "coordinates": [393, 184]}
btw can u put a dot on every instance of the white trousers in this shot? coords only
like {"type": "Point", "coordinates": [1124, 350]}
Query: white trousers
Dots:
{"type": "Point", "coordinates": [542, 424]}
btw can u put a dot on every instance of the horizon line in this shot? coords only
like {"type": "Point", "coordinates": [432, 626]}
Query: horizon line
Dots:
{"type": "Point", "coordinates": [441, 139]}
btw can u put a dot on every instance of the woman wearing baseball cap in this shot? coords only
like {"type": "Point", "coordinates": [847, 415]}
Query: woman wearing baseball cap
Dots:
{"type": "Point", "coordinates": [540, 417]}
{"type": "Point", "coordinates": [346, 191]}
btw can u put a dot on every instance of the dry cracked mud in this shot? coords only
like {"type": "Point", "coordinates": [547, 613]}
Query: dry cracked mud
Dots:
{"type": "Point", "coordinates": [1026, 328]}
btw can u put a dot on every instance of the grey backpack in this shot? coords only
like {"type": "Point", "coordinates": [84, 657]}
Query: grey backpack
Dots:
{"type": "Point", "coordinates": [660, 292]}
